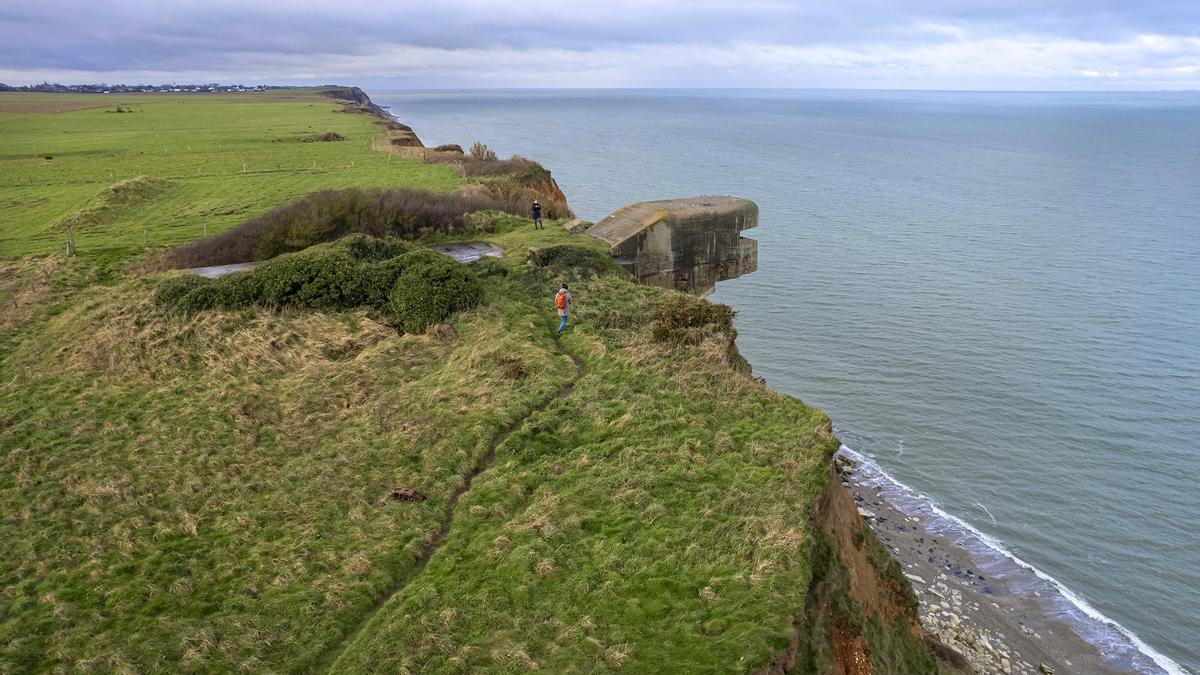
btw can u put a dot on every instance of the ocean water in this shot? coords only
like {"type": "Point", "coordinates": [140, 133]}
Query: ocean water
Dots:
{"type": "Point", "coordinates": [996, 297]}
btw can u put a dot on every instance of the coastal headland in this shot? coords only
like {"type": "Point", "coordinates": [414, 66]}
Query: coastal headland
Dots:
{"type": "Point", "coordinates": [361, 455]}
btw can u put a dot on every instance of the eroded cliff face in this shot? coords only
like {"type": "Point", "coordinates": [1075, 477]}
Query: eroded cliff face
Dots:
{"type": "Point", "coordinates": [548, 190]}
{"type": "Point", "coordinates": [861, 614]}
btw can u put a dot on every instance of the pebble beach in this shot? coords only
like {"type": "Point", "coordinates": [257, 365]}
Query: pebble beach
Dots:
{"type": "Point", "coordinates": [998, 624]}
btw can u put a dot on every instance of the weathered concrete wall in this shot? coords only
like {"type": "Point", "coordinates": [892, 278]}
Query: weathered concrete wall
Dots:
{"type": "Point", "coordinates": [688, 244]}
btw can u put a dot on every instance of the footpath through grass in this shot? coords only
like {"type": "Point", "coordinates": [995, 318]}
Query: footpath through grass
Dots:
{"type": "Point", "coordinates": [212, 492]}
{"type": "Point", "coordinates": [216, 489]}
{"type": "Point", "coordinates": [214, 161]}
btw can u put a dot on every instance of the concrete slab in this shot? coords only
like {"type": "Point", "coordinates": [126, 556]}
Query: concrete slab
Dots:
{"type": "Point", "coordinates": [470, 251]}
{"type": "Point", "coordinates": [221, 270]}
{"type": "Point", "coordinates": [464, 253]}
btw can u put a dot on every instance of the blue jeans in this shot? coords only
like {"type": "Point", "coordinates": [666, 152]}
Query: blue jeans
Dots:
{"type": "Point", "coordinates": [562, 325]}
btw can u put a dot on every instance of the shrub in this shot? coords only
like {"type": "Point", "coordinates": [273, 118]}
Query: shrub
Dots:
{"type": "Point", "coordinates": [572, 261]}
{"type": "Point", "coordinates": [174, 288]}
{"type": "Point", "coordinates": [417, 288]}
{"type": "Point", "coordinates": [533, 174]}
{"type": "Point", "coordinates": [686, 320]}
{"type": "Point", "coordinates": [362, 247]}
{"type": "Point", "coordinates": [482, 152]}
{"type": "Point", "coordinates": [331, 136]}
{"type": "Point", "coordinates": [331, 214]}
{"type": "Point", "coordinates": [531, 183]}
{"type": "Point", "coordinates": [471, 166]}
{"type": "Point", "coordinates": [379, 279]}
{"type": "Point", "coordinates": [430, 289]}
{"type": "Point", "coordinates": [324, 277]}
{"type": "Point", "coordinates": [488, 266]}
{"type": "Point", "coordinates": [507, 189]}
{"type": "Point", "coordinates": [449, 147]}
{"type": "Point", "coordinates": [354, 271]}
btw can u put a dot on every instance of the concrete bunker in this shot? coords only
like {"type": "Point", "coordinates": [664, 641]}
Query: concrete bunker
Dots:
{"type": "Point", "coordinates": [688, 244]}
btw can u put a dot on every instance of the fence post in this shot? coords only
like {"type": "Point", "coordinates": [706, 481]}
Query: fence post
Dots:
{"type": "Point", "coordinates": [70, 241]}
{"type": "Point", "coordinates": [206, 229]}
{"type": "Point", "coordinates": [145, 237]}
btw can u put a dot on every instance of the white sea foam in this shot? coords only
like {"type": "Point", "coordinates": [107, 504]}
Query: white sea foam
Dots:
{"type": "Point", "coordinates": [1113, 640]}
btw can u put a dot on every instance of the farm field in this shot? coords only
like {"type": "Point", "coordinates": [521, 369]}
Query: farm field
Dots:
{"type": "Point", "coordinates": [175, 167]}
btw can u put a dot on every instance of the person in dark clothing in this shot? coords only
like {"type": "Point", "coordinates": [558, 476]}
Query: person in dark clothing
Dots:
{"type": "Point", "coordinates": [537, 215]}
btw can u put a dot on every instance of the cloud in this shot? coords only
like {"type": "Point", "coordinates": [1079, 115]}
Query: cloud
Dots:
{"type": "Point", "coordinates": [862, 43]}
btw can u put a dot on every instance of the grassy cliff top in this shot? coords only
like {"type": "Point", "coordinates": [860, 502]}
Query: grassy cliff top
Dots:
{"type": "Point", "coordinates": [223, 157]}
{"type": "Point", "coordinates": [215, 489]}
{"type": "Point", "coordinates": [278, 487]}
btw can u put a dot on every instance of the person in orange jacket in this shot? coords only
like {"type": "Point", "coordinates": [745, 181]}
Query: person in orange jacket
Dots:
{"type": "Point", "coordinates": [562, 304]}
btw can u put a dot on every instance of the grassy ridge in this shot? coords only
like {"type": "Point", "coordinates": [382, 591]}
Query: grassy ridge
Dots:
{"type": "Point", "coordinates": [230, 158]}
{"type": "Point", "coordinates": [212, 491]}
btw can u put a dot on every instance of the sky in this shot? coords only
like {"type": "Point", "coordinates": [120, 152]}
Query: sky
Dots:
{"type": "Point", "coordinates": [922, 44]}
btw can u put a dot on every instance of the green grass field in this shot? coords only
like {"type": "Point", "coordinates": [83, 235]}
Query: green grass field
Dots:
{"type": "Point", "coordinates": [219, 159]}
{"type": "Point", "coordinates": [212, 492]}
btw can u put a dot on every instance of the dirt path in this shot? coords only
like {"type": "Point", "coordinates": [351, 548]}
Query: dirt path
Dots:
{"type": "Point", "coordinates": [483, 463]}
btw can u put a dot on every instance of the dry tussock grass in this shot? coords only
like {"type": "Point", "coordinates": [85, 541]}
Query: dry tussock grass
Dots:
{"type": "Point", "coordinates": [647, 487]}
{"type": "Point", "coordinates": [24, 287]}
{"type": "Point", "coordinates": [260, 444]}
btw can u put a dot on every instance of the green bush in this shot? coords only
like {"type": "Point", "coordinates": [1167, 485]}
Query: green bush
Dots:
{"type": "Point", "coordinates": [572, 261]}
{"type": "Point", "coordinates": [430, 289]}
{"type": "Point", "coordinates": [416, 286]}
{"type": "Point", "coordinates": [488, 266]}
{"type": "Point", "coordinates": [363, 247]}
{"type": "Point", "coordinates": [332, 214]}
{"type": "Point", "coordinates": [534, 174]}
{"type": "Point", "coordinates": [482, 152]}
{"type": "Point", "coordinates": [320, 277]}
{"type": "Point", "coordinates": [686, 320]}
{"type": "Point", "coordinates": [172, 291]}
{"type": "Point", "coordinates": [237, 290]}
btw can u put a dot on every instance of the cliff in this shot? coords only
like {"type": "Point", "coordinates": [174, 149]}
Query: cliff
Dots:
{"type": "Point", "coordinates": [355, 100]}
{"type": "Point", "coordinates": [295, 483]}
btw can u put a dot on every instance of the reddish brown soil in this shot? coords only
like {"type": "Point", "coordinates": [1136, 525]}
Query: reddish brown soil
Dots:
{"type": "Point", "coordinates": [852, 658]}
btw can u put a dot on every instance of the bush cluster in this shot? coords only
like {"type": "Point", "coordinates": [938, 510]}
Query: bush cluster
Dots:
{"type": "Point", "coordinates": [482, 152]}
{"type": "Point", "coordinates": [430, 288]}
{"type": "Point", "coordinates": [331, 214]}
{"type": "Point", "coordinates": [572, 261]}
{"type": "Point", "coordinates": [472, 166]}
{"type": "Point", "coordinates": [414, 287]}
{"type": "Point", "coordinates": [686, 320]}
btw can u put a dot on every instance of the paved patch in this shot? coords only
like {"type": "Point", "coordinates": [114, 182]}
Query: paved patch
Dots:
{"type": "Point", "coordinates": [221, 270]}
{"type": "Point", "coordinates": [470, 251]}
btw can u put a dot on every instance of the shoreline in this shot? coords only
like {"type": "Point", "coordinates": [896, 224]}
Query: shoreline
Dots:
{"type": "Point", "coordinates": [1001, 614]}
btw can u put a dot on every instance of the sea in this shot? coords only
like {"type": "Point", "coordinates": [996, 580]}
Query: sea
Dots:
{"type": "Point", "coordinates": [995, 296]}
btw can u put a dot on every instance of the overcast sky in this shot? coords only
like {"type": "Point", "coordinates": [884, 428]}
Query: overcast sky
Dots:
{"type": "Point", "coordinates": [925, 44]}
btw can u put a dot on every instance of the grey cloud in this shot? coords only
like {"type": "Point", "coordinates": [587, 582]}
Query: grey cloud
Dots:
{"type": "Point", "coordinates": [221, 35]}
